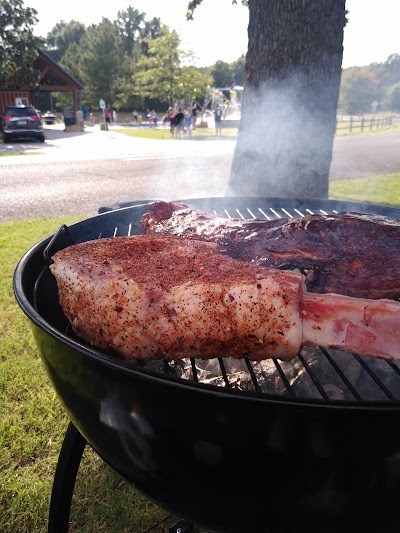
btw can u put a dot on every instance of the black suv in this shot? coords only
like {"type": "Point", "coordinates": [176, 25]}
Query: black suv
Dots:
{"type": "Point", "coordinates": [21, 122]}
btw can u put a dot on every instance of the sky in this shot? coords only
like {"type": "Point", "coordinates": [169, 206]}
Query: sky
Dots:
{"type": "Point", "coordinates": [219, 30]}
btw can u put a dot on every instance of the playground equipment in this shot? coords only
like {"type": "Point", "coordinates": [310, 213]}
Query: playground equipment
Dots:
{"type": "Point", "coordinates": [226, 97]}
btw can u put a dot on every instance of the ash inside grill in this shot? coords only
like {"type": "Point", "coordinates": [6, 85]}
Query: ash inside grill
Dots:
{"type": "Point", "coordinates": [315, 374]}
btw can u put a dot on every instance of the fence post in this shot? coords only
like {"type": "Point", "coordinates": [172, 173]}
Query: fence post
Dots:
{"type": "Point", "coordinates": [362, 124]}
{"type": "Point", "coordinates": [351, 123]}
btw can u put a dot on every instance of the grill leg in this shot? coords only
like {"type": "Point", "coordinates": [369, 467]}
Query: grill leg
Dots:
{"type": "Point", "coordinates": [64, 480]}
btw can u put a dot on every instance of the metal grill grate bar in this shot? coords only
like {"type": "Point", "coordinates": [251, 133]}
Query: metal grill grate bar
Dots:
{"type": "Point", "coordinates": [313, 377]}
{"type": "Point", "coordinates": [284, 378]}
{"type": "Point", "coordinates": [374, 377]}
{"type": "Point", "coordinates": [341, 374]}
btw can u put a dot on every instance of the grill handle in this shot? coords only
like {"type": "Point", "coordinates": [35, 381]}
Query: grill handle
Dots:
{"type": "Point", "coordinates": [47, 252]}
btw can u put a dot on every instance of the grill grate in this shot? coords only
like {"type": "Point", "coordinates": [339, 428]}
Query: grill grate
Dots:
{"type": "Point", "coordinates": [317, 373]}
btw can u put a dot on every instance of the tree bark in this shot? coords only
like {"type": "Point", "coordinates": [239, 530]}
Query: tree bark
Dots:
{"type": "Point", "coordinates": [289, 102]}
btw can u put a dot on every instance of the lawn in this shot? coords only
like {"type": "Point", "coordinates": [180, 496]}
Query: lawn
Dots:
{"type": "Point", "coordinates": [199, 134]}
{"type": "Point", "coordinates": [32, 424]}
{"type": "Point", "coordinates": [161, 133]}
{"type": "Point", "coordinates": [32, 421]}
{"type": "Point", "coordinates": [383, 190]}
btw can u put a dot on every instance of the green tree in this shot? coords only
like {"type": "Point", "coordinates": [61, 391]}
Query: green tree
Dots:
{"type": "Point", "coordinates": [222, 74]}
{"type": "Point", "coordinates": [101, 61]}
{"type": "Point", "coordinates": [389, 72]}
{"type": "Point", "coordinates": [130, 25]}
{"type": "Point", "coordinates": [162, 75]}
{"type": "Point", "coordinates": [289, 102]}
{"type": "Point", "coordinates": [62, 36]}
{"type": "Point", "coordinates": [71, 60]}
{"type": "Point", "coordinates": [134, 31]}
{"type": "Point", "coordinates": [195, 81]}
{"type": "Point", "coordinates": [237, 70]}
{"type": "Point", "coordinates": [18, 45]}
{"type": "Point", "coordinates": [362, 85]}
{"type": "Point", "coordinates": [152, 29]}
{"type": "Point", "coordinates": [125, 96]}
{"type": "Point", "coordinates": [394, 95]}
{"type": "Point", "coordinates": [358, 90]}
{"type": "Point", "coordinates": [227, 74]}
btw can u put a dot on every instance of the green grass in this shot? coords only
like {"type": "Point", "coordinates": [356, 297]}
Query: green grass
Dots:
{"type": "Point", "coordinates": [32, 421]}
{"type": "Point", "coordinates": [7, 154]}
{"type": "Point", "coordinates": [345, 132]}
{"type": "Point", "coordinates": [231, 133]}
{"type": "Point", "coordinates": [32, 424]}
{"type": "Point", "coordinates": [199, 134]}
{"type": "Point", "coordinates": [384, 190]}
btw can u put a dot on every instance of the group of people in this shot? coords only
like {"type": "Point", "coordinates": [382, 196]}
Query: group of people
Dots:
{"type": "Point", "coordinates": [181, 121]}
{"type": "Point", "coordinates": [151, 116]}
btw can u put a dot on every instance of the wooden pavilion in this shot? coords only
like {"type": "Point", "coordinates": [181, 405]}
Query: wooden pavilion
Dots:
{"type": "Point", "coordinates": [53, 78]}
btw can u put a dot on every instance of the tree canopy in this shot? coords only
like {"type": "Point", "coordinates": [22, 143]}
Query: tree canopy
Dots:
{"type": "Point", "coordinates": [62, 36]}
{"type": "Point", "coordinates": [130, 62]}
{"type": "Point", "coordinates": [162, 75]}
{"type": "Point", "coordinates": [101, 61]}
{"type": "Point", "coordinates": [358, 91]}
{"type": "Point", "coordinates": [377, 82]}
{"type": "Point", "coordinates": [18, 45]}
{"type": "Point", "coordinates": [227, 74]}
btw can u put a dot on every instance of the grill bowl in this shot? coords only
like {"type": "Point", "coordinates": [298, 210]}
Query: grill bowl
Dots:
{"type": "Point", "coordinates": [228, 460]}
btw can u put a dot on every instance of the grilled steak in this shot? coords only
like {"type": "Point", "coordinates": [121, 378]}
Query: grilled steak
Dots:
{"type": "Point", "coordinates": [347, 253]}
{"type": "Point", "coordinates": [152, 297]}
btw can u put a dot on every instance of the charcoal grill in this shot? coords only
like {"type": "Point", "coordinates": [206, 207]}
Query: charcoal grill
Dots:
{"type": "Point", "coordinates": [303, 446]}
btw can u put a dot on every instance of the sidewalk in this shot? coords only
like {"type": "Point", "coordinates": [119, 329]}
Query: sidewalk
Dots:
{"type": "Point", "coordinates": [52, 134]}
{"type": "Point", "coordinates": [94, 143]}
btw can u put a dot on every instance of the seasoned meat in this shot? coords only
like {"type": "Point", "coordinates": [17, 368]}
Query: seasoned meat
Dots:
{"type": "Point", "coordinates": [164, 297]}
{"type": "Point", "coordinates": [347, 253]}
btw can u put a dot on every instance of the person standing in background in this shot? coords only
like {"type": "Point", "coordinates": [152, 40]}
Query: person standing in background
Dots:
{"type": "Point", "coordinates": [188, 122]}
{"type": "Point", "coordinates": [107, 116]}
{"type": "Point", "coordinates": [194, 114]}
{"type": "Point", "coordinates": [179, 123]}
{"type": "Point", "coordinates": [218, 120]}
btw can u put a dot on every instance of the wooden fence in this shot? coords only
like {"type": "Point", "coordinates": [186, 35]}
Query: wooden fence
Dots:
{"type": "Point", "coordinates": [351, 123]}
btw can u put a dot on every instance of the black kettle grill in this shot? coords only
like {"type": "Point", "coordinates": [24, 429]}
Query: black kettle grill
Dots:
{"type": "Point", "coordinates": [266, 457]}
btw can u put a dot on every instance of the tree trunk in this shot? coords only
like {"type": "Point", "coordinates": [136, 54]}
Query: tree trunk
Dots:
{"type": "Point", "coordinates": [289, 102]}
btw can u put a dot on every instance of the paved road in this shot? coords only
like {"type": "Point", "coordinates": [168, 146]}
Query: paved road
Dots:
{"type": "Point", "coordinates": [75, 173]}
{"type": "Point", "coordinates": [361, 156]}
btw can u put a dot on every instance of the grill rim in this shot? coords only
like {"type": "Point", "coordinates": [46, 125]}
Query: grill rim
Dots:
{"type": "Point", "coordinates": [105, 359]}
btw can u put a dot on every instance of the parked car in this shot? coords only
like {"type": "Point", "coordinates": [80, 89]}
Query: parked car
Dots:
{"type": "Point", "coordinates": [22, 122]}
{"type": "Point", "coordinates": [48, 118]}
